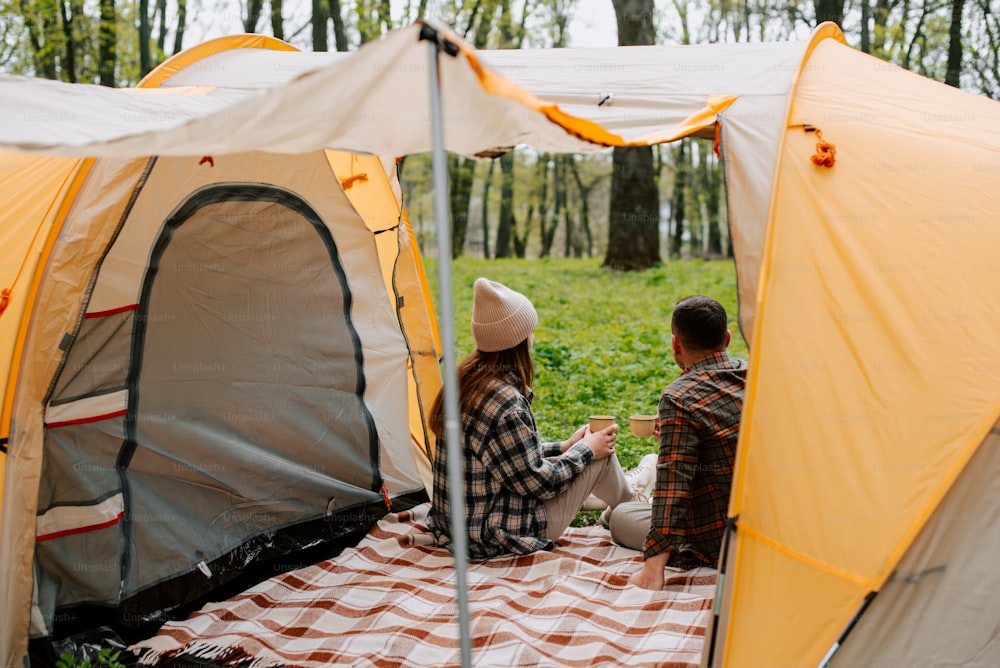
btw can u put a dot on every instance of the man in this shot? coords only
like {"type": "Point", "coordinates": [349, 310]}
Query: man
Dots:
{"type": "Point", "coordinates": [698, 424]}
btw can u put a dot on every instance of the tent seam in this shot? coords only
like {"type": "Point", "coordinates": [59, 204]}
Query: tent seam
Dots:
{"type": "Point", "coordinates": [804, 558]}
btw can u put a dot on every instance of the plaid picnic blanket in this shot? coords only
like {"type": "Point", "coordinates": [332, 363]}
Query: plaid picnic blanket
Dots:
{"type": "Point", "coordinates": [391, 601]}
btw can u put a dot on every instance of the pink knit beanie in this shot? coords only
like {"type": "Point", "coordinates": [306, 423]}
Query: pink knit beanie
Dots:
{"type": "Point", "coordinates": [501, 317]}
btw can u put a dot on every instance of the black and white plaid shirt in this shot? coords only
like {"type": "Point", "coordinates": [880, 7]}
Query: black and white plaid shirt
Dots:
{"type": "Point", "coordinates": [508, 473]}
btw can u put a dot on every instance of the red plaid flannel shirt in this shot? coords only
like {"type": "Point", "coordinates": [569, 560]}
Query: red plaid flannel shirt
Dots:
{"type": "Point", "coordinates": [699, 420]}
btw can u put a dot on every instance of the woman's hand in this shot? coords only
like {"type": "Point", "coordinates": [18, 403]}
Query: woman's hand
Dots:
{"type": "Point", "coordinates": [602, 443]}
{"type": "Point", "coordinates": [575, 438]}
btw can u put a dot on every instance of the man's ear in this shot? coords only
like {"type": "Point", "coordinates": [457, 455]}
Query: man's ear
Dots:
{"type": "Point", "coordinates": [729, 337]}
{"type": "Point", "coordinates": [675, 344]}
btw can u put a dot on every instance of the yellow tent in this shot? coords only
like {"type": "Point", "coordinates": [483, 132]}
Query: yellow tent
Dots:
{"type": "Point", "coordinates": [861, 202]}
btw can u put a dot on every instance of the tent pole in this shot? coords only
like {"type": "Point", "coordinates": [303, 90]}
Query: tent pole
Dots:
{"type": "Point", "coordinates": [456, 493]}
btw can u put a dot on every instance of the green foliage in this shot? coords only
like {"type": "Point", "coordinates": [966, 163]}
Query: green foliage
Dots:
{"type": "Point", "coordinates": [106, 658]}
{"type": "Point", "coordinates": [603, 339]}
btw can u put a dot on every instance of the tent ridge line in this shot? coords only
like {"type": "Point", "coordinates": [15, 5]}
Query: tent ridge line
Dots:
{"type": "Point", "coordinates": [868, 583]}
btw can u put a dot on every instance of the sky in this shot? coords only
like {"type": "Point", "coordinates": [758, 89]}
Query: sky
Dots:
{"type": "Point", "coordinates": [593, 23]}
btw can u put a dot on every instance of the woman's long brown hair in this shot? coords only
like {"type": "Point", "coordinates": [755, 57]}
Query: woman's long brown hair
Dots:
{"type": "Point", "coordinates": [476, 370]}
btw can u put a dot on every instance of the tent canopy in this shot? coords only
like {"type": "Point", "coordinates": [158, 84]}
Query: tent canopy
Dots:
{"type": "Point", "coordinates": [289, 102]}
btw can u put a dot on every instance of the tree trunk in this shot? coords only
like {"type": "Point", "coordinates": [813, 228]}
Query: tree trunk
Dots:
{"type": "Point", "coordinates": [710, 185]}
{"type": "Point", "coordinates": [881, 20]}
{"type": "Point", "coordinates": [42, 55]}
{"type": "Point", "coordinates": [385, 16]}
{"type": "Point", "coordinates": [866, 37]}
{"type": "Point", "coordinates": [339, 34]}
{"type": "Point", "coordinates": [69, 14]}
{"type": "Point", "coordinates": [506, 222]}
{"type": "Point", "coordinates": [584, 205]}
{"type": "Point", "coordinates": [633, 231]}
{"type": "Point", "coordinates": [541, 190]}
{"type": "Point", "coordinates": [277, 21]}
{"type": "Point", "coordinates": [549, 230]}
{"type": "Point", "coordinates": [181, 22]}
{"type": "Point", "coordinates": [562, 209]}
{"type": "Point", "coordinates": [459, 195]}
{"type": "Point", "coordinates": [107, 38]}
{"type": "Point", "coordinates": [829, 10]}
{"type": "Point", "coordinates": [677, 204]}
{"type": "Point", "coordinates": [161, 13]}
{"type": "Point", "coordinates": [487, 182]}
{"type": "Point", "coordinates": [254, 9]}
{"type": "Point", "coordinates": [954, 73]}
{"type": "Point", "coordinates": [633, 241]}
{"type": "Point", "coordinates": [145, 59]}
{"type": "Point", "coordinates": [918, 39]}
{"type": "Point", "coordinates": [318, 26]}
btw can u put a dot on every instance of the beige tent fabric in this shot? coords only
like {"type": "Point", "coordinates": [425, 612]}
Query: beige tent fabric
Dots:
{"type": "Point", "coordinates": [873, 378]}
{"type": "Point", "coordinates": [940, 607]}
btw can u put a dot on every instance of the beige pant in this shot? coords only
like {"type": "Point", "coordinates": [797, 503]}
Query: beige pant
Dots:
{"type": "Point", "coordinates": [629, 524]}
{"type": "Point", "coordinates": [603, 478]}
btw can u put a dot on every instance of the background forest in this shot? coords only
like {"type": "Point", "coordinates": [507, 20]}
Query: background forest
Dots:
{"type": "Point", "coordinates": [634, 208]}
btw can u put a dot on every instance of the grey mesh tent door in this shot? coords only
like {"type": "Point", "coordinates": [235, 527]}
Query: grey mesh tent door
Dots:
{"type": "Point", "coordinates": [226, 405]}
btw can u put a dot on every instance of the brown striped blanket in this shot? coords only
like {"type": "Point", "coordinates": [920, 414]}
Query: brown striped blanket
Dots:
{"type": "Point", "coordinates": [390, 601]}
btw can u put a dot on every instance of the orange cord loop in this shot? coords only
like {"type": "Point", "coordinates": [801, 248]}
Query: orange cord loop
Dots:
{"type": "Point", "coordinates": [826, 153]}
{"type": "Point", "coordinates": [349, 181]}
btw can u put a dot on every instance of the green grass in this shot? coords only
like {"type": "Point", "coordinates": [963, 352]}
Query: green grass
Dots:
{"type": "Point", "coordinates": [602, 345]}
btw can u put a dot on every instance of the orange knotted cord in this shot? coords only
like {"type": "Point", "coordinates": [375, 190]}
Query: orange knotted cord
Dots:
{"type": "Point", "coordinates": [826, 153]}
{"type": "Point", "coordinates": [349, 181]}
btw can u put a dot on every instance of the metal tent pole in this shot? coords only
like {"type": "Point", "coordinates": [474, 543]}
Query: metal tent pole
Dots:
{"type": "Point", "coordinates": [456, 494]}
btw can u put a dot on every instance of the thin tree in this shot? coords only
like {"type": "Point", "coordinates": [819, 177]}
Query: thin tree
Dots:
{"type": "Point", "coordinates": [678, 207]}
{"type": "Point", "coordinates": [866, 35]}
{"type": "Point", "coordinates": [487, 183]}
{"type": "Point", "coordinates": [710, 188]}
{"type": "Point", "coordinates": [254, 10]}
{"type": "Point", "coordinates": [318, 25]}
{"type": "Point", "coordinates": [829, 10]}
{"type": "Point", "coordinates": [584, 190]}
{"type": "Point", "coordinates": [339, 32]}
{"type": "Point", "coordinates": [70, 11]}
{"type": "Point", "coordinates": [145, 57]}
{"type": "Point", "coordinates": [181, 22]}
{"type": "Point", "coordinates": [107, 38]}
{"type": "Point", "coordinates": [160, 13]}
{"type": "Point", "coordinates": [43, 52]}
{"type": "Point", "coordinates": [537, 201]}
{"type": "Point", "coordinates": [506, 222]}
{"type": "Point", "coordinates": [277, 21]}
{"type": "Point", "coordinates": [954, 73]}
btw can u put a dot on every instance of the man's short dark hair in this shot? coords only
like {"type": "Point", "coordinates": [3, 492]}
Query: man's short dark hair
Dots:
{"type": "Point", "coordinates": [700, 323]}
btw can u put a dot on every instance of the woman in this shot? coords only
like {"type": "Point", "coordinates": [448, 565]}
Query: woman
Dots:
{"type": "Point", "coordinates": [520, 494]}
